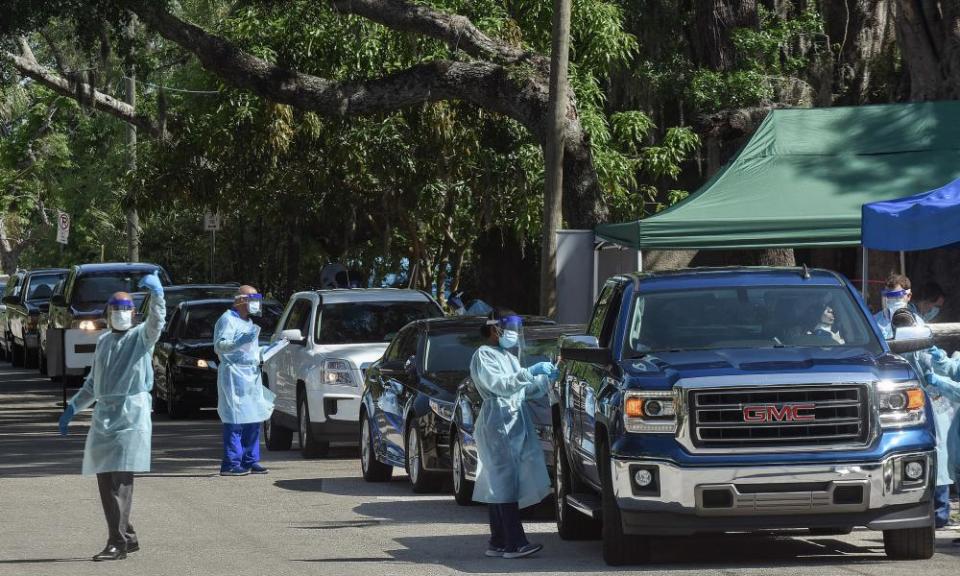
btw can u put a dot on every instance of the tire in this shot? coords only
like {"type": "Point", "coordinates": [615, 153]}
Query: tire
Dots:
{"type": "Point", "coordinates": [909, 543]}
{"type": "Point", "coordinates": [571, 523]}
{"type": "Point", "coordinates": [422, 481]}
{"type": "Point", "coordinates": [310, 447]}
{"type": "Point", "coordinates": [618, 548]}
{"type": "Point", "coordinates": [17, 355]}
{"type": "Point", "coordinates": [373, 469]}
{"type": "Point", "coordinates": [462, 487]}
{"type": "Point", "coordinates": [176, 410]}
{"type": "Point", "coordinates": [276, 437]}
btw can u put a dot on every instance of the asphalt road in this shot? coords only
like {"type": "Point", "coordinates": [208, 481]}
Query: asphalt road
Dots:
{"type": "Point", "coordinates": [317, 517]}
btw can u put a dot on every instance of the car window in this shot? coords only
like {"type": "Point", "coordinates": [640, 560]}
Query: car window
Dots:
{"type": "Point", "coordinates": [406, 345]}
{"type": "Point", "coordinates": [362, 322]}
{"type": "Point", "coordinates": [748, 317]}
{"type": "Point", "coordinates": [41, 286]}
{"type": "Point", "coordinates": [600, 311]}
{"type": "Point", "coordinates": [299, 316]}
{"type": "Point", "coordinates": [199, 321]}
{"type": "Point", "coordinates": [96, 288]}
{"type": "Point", "coordinates": [452, 351]}
{"type": "Point", "coordinates": [13, 288]}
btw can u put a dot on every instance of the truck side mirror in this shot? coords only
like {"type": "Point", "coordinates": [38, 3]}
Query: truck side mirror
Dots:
{"type": "Point", "coordinates": [293, 335]}
{"type": "Point", "coordinates": [911, 339]}
{"type": "Point", "coordinates": [58, 300]}
{"type": "Point", "coordinates": [9, 300]}
{"type": "Point", "coordinates": [584, 349]}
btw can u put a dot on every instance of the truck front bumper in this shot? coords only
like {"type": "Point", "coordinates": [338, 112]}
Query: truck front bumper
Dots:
{"type": "Point", "coordinates": [687, 500]}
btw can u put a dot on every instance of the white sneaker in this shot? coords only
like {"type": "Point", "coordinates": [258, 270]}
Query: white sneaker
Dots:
{"type": "Point", "coordinates": [528, 550]}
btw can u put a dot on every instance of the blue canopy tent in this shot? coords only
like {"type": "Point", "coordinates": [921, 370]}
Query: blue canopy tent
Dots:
{"type": "Point", "coordinates": [920, 222]}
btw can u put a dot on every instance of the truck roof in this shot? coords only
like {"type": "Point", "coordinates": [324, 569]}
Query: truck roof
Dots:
{"type": "Point", "coordinates": [112, 266]}
{"type": "Point", "coordinates": [47, 271]}
{"type": "Point", "coordinates": [348, 295]}
{"type": "Point", "coordinates": [691, 278]}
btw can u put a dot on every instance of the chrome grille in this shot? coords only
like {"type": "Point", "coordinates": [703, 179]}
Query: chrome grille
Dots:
{"type": "Point", "coordinates": [779, 416]}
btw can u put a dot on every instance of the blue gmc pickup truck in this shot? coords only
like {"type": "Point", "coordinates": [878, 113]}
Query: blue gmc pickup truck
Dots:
{"type": "Point", "coordinates": [740, 399]}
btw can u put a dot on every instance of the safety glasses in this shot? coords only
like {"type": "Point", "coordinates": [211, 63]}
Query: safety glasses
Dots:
{"type": "Point", "coordinates": [895, 294]}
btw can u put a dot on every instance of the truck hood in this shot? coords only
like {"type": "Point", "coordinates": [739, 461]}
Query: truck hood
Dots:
{"type": "Point", "coordinates": [361, 355]}
{"type": "Point", "coordinates": [663, 369]}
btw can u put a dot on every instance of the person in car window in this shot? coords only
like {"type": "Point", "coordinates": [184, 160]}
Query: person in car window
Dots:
{"type": "Point", "coordinates": [825, 327]}
{"type": "Point", "coordinates": [243, 402]}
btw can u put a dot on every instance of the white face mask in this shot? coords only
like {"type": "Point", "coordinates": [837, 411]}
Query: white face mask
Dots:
{"type": "Point", "coordinates": [121, 319]}
{"type": "Point", "coordinates": [932, 313]}
{"type": "Point", "coordinates": [253, 307]}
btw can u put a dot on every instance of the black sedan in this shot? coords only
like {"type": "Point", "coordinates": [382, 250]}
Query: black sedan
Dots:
{"type": "Point", "coordinates": [540, 344]}
{"type": "Point", "coordinates": [174, 295]}
{"type": "Point", "coordinates": [407, 407]}
{"type": "Point", "coordinates": [184, 363]}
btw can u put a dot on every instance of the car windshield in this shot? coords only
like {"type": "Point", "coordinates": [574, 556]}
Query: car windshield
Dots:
{"type": "Point", "coordinates": [96, 288]}
{"type": "Point", "coordinates": [452, 351]}
{"type": "Point", "coordinates": [748, 317]}
{"type": "Point", "coordinates": [199, 321]}
{"type": "Point", "coordinates": [42, 285]}
{"type": "Point", "coordinates": [364, 322]}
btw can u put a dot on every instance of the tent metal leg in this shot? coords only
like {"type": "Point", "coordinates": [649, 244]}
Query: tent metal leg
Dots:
{"type": "Point", "coordinates": [639, 261]}
{"type": "Point", "coordinates": [864, 273]}
{"type": "Point", "coordinates": [903, 263]}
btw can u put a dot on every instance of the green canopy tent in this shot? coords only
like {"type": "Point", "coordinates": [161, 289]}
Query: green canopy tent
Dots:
{"type": "Point", "coordinates": [801, 180]}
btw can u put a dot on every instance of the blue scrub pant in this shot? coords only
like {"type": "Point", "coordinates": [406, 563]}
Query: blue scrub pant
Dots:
{"type": "Point", "coordinates": [506, 530]}
{"type": "Point", "coordinates": [241, 446]}
{"type": "Point", "coordinates": [941, 505]}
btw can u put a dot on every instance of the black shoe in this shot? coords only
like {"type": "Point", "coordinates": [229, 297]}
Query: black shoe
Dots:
{"type": "Point", "coordinates": [111, 552]}
{"type": "Point", "coordinates": [133, 547]}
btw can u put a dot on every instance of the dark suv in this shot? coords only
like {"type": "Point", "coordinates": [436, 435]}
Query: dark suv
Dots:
{"type": "Point", "coordinates": [24, 307]}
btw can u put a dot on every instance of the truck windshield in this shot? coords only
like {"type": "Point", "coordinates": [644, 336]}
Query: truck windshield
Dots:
{"type": "Point", "coordinates": [41, 286]}
{"type": "Point", "coordinates": [367, 322]}
{"type": "Point", "coordinates": [748, 317]}
{"type": "Point", "coordinates": [451, 352]}
{"type": "Point", "coordinates": [96, 288]}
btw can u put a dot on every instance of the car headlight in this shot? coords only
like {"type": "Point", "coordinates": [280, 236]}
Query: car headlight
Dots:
{"type": "Point", "coordinates": [190, 362]}
{"type": "Point", "coordinates": [650, 411]}
{"type": "Point", "coordinates": [901, 404]}
{"type": "Point", "coordinates": [337, 372]}
{"type": "Point", "coordinates": [442, 409]}
{"type": "Point", "coordinates": [89, 325]}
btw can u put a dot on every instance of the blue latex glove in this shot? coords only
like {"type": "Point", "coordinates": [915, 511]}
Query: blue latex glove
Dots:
{"type": "Point", "coordinates": [246, 337]}
{"type": "Point", "coordinates": [554, 374]}
{"type": "Point", "coordinates": [937, 354]}
{"type": "Point", "coordinates": [151, 282]}
{"type": "Point", "coordinates": [543, 368]}
{"type": "Point", "coordinates": [936, 380]}
{"type": "Point", "coordinates": [65, 419]}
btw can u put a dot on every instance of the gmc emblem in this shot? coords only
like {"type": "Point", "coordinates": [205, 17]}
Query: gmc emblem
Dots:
{"type": "Point", "coordinates": [787, 413]}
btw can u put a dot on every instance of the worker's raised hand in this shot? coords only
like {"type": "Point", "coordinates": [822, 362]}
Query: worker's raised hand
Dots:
{"type": "Point", "coordinates": [151, 282]}
{"type": "Point", "coordinates": [65, 419]}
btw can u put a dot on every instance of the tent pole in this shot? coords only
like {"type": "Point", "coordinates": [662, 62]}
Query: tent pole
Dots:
{"type": "Point", "coordinates": [864, 275]}
{"type": "Point", "coordinates": [903, 263]}
{"type": "Point", "coordinates": [639, 261]}
{"type": "Point", "coordinates": [597, 247]}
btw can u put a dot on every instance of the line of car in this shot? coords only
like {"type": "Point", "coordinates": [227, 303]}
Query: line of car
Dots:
{"type": "Point", "coordinates": [382, 368]}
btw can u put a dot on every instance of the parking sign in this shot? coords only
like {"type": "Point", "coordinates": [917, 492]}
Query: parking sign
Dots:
{"type": "Point", "coordinates": [63, 227]}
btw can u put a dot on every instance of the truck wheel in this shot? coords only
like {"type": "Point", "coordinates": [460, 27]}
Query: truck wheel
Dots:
{"type": "Point", "coordinates": [462, 488]}
{"type": "Point", "coordinates": [310, 447]}
{"type": "Point", "coordinates": [909, 543]}
{"type": "Point", "coordinates": [571, 524]}
{"type": "Point", "coordinates": [421, 480]}
{"type": "Point", "coordinates": [618, 548]}
{"type": "Point", "coordinates": [373, 469]}
{"type": "Point", "coordinates": [276, 437]}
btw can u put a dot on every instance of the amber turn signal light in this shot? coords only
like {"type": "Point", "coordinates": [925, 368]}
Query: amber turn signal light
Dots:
{"type": "Point", "coordinates": [915, 399]}
{"type": "Point", "coordinates": [634, 407]}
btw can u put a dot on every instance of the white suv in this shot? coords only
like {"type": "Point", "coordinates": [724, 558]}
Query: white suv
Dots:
{"type": "Point", "coordinates": [318, 380]}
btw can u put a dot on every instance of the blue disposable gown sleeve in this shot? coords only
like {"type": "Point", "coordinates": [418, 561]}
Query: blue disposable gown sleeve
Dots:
{"type": "Point", "coordinates": [493, 373]}
{"type": "Point", "coordinates": [150, 329]}
{"type": "Point", "coordinates": [947, 386]}
{"type": "Point", "coordinates": [226, 334]}
{"type": "Point", "coordinates": [949, 367]}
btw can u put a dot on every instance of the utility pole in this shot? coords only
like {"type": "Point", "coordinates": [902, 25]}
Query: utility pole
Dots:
{"type": "Point", "coordinates": [133, 219]}
{"type": "Point", "coordinates": [553, 157]}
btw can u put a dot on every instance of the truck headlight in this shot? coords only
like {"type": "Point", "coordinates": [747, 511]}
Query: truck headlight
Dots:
{"type": "Point", "coordinates": [337, 372]}
{"type": "Point", "coordinates": [89, 325]}
{"type": "Point", "coordinates": [650, 411]}
{"type": "Point", "coordinates": [190, 362]}
{"type": "Point", "coordinates": [442, 409]}
{"type": "Point", "coordinates": [901, 404]}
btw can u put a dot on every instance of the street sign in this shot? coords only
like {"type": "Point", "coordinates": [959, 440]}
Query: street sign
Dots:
{"type": "Point", "coordinates": [211, 221]}
{"type": "Point", "coordinates": [63, 227]}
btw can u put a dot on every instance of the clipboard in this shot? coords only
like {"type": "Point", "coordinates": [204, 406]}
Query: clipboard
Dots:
{"type": "Point", "coordinates": [272, 350]}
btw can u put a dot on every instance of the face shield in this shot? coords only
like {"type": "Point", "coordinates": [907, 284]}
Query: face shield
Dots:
{"type": "Point", "coordinates": [254, 303]}
{"type": "Point", "coordinates": [120, 314]}
{"type": "Point", "coordinates": [894, 300]}
{"type": "Point", "coordinates": [511, 334]}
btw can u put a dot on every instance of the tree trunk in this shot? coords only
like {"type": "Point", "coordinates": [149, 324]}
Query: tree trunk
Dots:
{"type": "Point", "coordinates": [714, 20]}
{"type": "Point", "coordinates": [777, 257]}
{"type": "Point", "coordinates": [929, 37]}
{"type": "Point", "coordinates": [863, 33]}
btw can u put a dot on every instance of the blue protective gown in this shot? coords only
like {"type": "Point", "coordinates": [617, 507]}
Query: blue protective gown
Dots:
{"type": "Point", "coordinates": [241, 397]}
{"type": "Point", "coordinates": [945, 398]}
{"type": "Point", "coordinates": [511, 466]}
{"type": "Point", "coordinates": [120, 381]}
